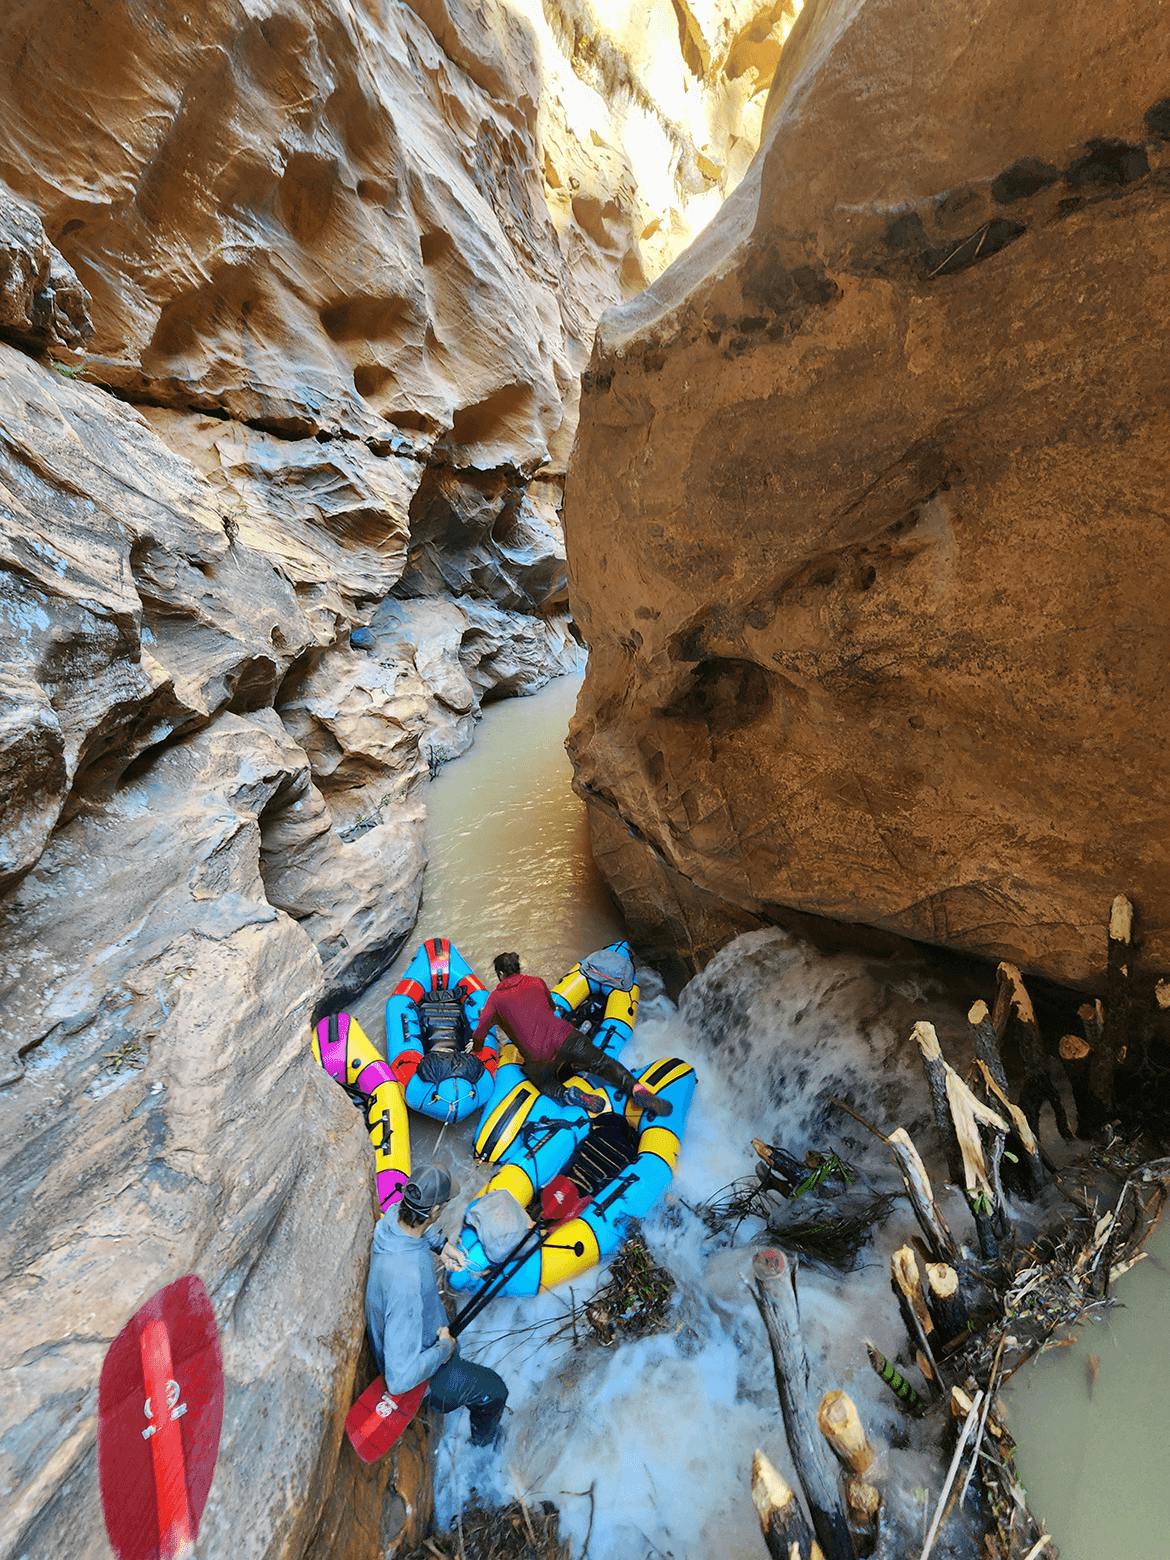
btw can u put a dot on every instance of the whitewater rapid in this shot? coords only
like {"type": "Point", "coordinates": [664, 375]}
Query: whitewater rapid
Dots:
{"type": "Point", "coordinates": [646, 1446]}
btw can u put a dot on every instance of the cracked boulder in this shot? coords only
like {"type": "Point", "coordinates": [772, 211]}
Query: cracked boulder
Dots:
{"type": "Point", "coordinates": [867, 515]}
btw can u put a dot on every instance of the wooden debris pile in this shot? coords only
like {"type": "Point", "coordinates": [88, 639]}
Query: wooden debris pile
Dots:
{"type": "Point", "coordinates": [513, 1532]}
{"type": "Point", "coordinates": [974, 1305]}
{"type": "Point", "coordinates": [635, 1297]}
{"type": "Point", "coordinates": [809, 1205]}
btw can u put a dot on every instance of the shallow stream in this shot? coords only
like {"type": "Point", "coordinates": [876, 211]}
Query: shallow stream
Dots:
{"type": "Point", "coordinates": [646, 1447]}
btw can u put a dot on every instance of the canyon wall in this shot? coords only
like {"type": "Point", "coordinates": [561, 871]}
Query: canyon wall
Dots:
{"type": "Point", "coordinates": [867, 518]}
{"type": "Point", "coordinates": [294, 300]}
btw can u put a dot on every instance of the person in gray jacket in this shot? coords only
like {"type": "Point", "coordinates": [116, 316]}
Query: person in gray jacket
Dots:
{"type": "Point", "coordinates": [405, 1317]}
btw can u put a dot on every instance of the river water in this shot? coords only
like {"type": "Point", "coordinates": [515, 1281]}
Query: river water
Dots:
{"type": "Point", "coordinates": [1093, 1451]}
{"type": "Point", "coordinates": [645, 1447]}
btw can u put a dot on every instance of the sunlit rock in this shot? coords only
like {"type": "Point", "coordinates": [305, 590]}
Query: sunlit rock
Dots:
{"type": "Point", "coordinates": [344, 263]}
{"type": "Point", "coordinates": [165, 1123]}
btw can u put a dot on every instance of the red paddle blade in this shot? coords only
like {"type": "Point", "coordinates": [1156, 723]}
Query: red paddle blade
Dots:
{"type": "Point", "coordinates": [561, 1200]}
{"type": "Point", "coordinates": [379, 1417]}
{"type": "Point", "coordinates": [160, 1410]}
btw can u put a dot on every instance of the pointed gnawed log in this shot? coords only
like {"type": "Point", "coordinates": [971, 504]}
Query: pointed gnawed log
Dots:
{"type": "Point", "coordinates": [1074, 1057]}
{"type": "Point", "coordinates": [935, 1067]}
{"type": "Point", "coordinates": [782, 1522]}
{"type": "Point", "coordinates": [1030, 1167]}
{"type": "Point", "coordinates": [945, 1299]}
{"type": "Point", "coordinates": [906, 1282]}
{"type": "Point", "coordinates": [1038, 1089]}
{"type": "Point", "coordinates": [864, 1504]}
{"type": "Point", "coordinates": [941, 1243]}
{"type": "Point", "coordinates": [1092, 1017]}
{"type": "Point", "coordinates": [774, 1288]}
{"type": "Point", "coordinates": [980, 1178]}
{"type": "Point", "coordinates": [841, 1426]}
{"type": "Point", "coordinates": [987, 1043]}
{"type": "Point", "coordinates": [1105, 1057]}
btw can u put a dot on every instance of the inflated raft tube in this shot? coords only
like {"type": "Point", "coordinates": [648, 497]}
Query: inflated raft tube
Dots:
{"type": "Point", "coordinates": [352, 1060]}
{"type": "Point", "coordinates": [599, 995]}
{"type": "Point", "coordinates": [624, 1162]}
{"type": "Point", "coordinates": [430, 1015]}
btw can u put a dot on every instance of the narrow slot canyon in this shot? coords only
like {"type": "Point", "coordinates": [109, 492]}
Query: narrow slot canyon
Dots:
{"type": "Point", "coordinates": [681, 483]}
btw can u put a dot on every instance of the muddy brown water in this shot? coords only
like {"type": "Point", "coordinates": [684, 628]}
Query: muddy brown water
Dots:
{"type": "Point", "coordinates": [1092, 1452]}
{"type": "Point", "coordinates": [508, 860]}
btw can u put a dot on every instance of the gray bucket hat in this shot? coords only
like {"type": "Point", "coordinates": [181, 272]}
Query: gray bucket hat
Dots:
{"type": "Point", "coordinates": [428, 1189]}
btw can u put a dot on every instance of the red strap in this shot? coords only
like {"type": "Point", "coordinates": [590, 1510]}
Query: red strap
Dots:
{"type": "Point", "coordinates": [405, 1065]}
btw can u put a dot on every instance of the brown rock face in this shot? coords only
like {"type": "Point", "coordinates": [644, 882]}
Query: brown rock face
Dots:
{"type": "Point", "coordinates": [867, 516]}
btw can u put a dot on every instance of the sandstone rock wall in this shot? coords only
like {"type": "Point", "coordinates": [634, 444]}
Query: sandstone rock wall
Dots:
{"type": "Point", "coordinates": [294, 299]}
{"type": "Point", "coordinates": [867, 518]}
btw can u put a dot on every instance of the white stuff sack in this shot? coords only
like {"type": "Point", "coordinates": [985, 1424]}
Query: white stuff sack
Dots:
{"type": "Point", "coordinates": [499, 1221]}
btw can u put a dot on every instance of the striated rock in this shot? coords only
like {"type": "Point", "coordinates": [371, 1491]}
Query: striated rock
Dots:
{"type": "Point", "coordinates": [167, 1122]}
{"type": "Point", "coordinates": [332, 517]}
{"type": "Point", "coordinates": [42, 304]}
{"type": "Point", "coordinates": [865, 519]}
{"type": "Point", "coordinates": [315, 217]}
{"type": "Point", "coordinates": [346, 261]}
{"type": "Point", "coordinates": [374, 722]}
{"type": "Point", "coordinates": [486, 535]}
{"type": "Point", "coordinates": [128, 616]}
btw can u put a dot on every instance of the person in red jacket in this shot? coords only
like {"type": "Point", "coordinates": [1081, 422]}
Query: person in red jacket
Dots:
{"type": "Point", "coordinates": [522, 1006]}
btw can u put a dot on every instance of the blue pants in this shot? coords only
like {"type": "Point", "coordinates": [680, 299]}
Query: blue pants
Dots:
{"type": "Point", "coordinates": [458, 1383]}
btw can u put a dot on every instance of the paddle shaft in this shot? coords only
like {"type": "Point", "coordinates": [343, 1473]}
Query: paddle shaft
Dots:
{"type": "Point", "coordinates": [508, 1265]}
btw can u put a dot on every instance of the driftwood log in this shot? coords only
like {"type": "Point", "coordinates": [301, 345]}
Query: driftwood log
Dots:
{"type": "Point", "coordinates": [1105, 1057]}
{"type": "Point", "coordinates": [980, 1169]}
{"type": "Point", "coordinates": [842, 1428]}
{"type": "Point", "coordinates": [782, 1522]}
{"type": "Point", "coordinates": [1074, 1055]}
{"type": "Point", "coordinates": [987, 1042]}
{"type": "Point", "coordinates": [940, 1242]}
{"type": "Point", "coordinates": [774, 1286]}
{"type": "Point", "coordinates": [906, 1282]}
{"type": "Point", "coordinates": [1030, 1172]}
